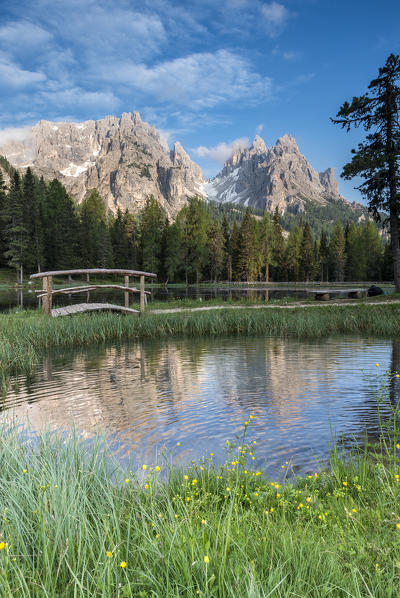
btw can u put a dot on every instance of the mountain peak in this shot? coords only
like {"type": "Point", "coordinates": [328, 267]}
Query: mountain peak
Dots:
{"type": "Point", "coordinates": [287, 142]}
{"type": "Point", "coordinates": [258, 146]}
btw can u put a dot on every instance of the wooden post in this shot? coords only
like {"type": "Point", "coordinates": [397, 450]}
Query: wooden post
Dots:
{"type": "Point", "coordinates": [126, 292]}
{"type": "Point", "coordinates": [47, 299]}
{"type": "Point", "coordinates": [141, 295]}
{"type": "Point", "coordinates": [49, 294]}
{"type": "Point", "coordinates": [44, 299]}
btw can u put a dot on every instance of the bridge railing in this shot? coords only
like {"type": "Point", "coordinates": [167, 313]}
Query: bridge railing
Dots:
{"type": "Point", "coordinates": [47, 292]}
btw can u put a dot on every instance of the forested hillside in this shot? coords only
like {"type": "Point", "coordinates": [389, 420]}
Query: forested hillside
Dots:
{"type": "Point", "coordinates": [43, 228]}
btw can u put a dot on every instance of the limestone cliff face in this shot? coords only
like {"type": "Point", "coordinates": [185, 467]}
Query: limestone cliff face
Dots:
{"type": "Point", "coordinates": [266, 179]}
{"type": "Point", "coordinates": [124, 158]}
{"type": "Point", "coordinates": [127, 161]}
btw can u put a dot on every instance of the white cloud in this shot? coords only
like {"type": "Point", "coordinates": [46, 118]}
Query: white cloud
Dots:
{"type": "Point", "coordinates": [77, 97]}
{"type": "Point", "coordinates": [199, 81]}
{"type": "Point", "coordinates": [223, 151]}
{"type": "Point", "coordinates": [259, 128]}
{"type": "Point", "coordinates": [275, 15]}
{"type": "Point", "coordinates": [11, 75]}
{"type": "Point", "coordinates": [15, 134]}
{"type": "Point", "coordinates": [23, 33]}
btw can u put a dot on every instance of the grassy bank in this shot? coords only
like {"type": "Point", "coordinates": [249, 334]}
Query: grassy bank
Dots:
{"type": "Point", "coordinates": [69, 529]}
{"type": "Point", "coordinates": [24, 336]}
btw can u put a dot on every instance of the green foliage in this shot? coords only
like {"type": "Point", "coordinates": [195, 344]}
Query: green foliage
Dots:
{"type": "Point", "coordinates": [377, 159]}
{"type": "Point", "coordinates": [145, 172]}
{"type": "Point", "coordinates": [151, 230]}
{"type": "Point", "coordinates": [72, 528]}
{"type": "Point", "coordinates": [207, 241]}
{"type": "Point", "coordinates": [16, 230]}
{"type": "Point", "coordinates": [337, 253]}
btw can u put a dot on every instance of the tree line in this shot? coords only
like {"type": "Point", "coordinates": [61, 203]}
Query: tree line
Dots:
{"type": "Point", "coordinates": [42, 228]}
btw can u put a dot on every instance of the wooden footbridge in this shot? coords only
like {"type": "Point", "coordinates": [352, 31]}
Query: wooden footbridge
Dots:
{"type": "Point", "coordinates": [47, 291]}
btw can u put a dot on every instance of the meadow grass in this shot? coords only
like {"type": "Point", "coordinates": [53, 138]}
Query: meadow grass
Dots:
{"type": "Point", "coordinates": [73, 524]}
{"type": "Point", "coordinates": [26, 335]}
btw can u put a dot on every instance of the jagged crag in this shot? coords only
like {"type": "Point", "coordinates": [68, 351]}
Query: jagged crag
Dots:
{"type": "Point", "coordinates": [127, 160]}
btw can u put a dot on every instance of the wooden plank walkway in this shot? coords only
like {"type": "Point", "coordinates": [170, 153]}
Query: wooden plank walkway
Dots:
{"type": "Point", "coordinates": [69, 310]}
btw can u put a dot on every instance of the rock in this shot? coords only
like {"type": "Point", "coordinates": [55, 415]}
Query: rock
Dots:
{"type": "Point", "coordinates": [277, 178]}
{"type": "Point", "coordinates": [125, 159]}
{"type": "Point", "coordinates": [373, 291]}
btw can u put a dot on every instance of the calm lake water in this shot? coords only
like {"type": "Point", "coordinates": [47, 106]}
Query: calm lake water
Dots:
{"type": "Point", "coordinates": [151, 395]}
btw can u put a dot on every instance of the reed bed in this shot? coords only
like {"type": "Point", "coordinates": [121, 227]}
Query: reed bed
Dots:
{"type": "Point", "coordinates": [26, 335]}
{"type": "Point", "coordinates": [74, 524]}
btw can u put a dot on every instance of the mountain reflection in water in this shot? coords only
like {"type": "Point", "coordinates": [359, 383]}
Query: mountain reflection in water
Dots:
{"type": "Point", "coordinates": [198, 392]}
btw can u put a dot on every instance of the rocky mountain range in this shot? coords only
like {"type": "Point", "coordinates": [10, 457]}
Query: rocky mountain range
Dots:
{"type": "Point", "coordinates": [124, 158]}
{"type": "Point", "coordinates": [279, 177]}
{"type": "Point", "coordinates": [127, 160]}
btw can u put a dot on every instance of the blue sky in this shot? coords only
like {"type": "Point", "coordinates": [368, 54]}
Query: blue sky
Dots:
{"type": "Point", "coordinates": [206, 73]}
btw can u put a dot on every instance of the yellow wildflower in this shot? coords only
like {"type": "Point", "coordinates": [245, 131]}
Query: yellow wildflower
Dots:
{"type": "Point", "coordinates": [377, 365]}
{"type": "Point", "coordinates": [24, 471]}
{"type": "Point", "coordinates": [178, 444]}
{"type": "Point", "coordinates": [227, 489]}
{"type": "Point", "coordinates": [127, 481]}
{"type": "Point", "coordinates": [194, 482]}
{"type": "Point", "coordinates": [2, 545]}
{"type": "Point", "coordinates": [109, 553]}
{"type": "Point", "coordinates": [144, 467]}
{"type": "Point", "coordinates": [354, 510]}
{"type": "Point", "coordinates": [122, 564]}
{"type": "Point", "coordinates": [157, 468]}
{"type": "Point", "coordinates": [206, 559]}
{"type": "Point", "coordinates": [308, 499]}
{"type": "Point", "coordinates": [344, 483]}
{"type": "Point", "coordinates": [397, 525]}
{"type": "Point", "coordinates": [146, 486]}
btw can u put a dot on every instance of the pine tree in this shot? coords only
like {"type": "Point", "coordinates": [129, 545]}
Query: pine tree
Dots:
{"type": "Point", "coordinates": [234, 241]}
{"type": "Point", "coordinates": [337, 252]}
{"type": "Point", "coordinates": [266, 234]}
{"type": "Point", "coordinates": [173, 257]}
{"type": "Point", "coordinates": [152, 221]}
{"type": "Point", "coordinates": [248, 261]}
{"type": "Point", "coordinates": [216, 250]}
{"type": "Point", "coordinates": [355, 260]}
{"type": "Point", "coordinates": [119, 241]}
{"type": "Point", "coordinates": [16, 232]}
{"type": "Point", "coordinates": [372, 249]}
{"type": "Point", "coordinates": [278, 246]}
{"type": "Point", "coordinates": [95, 240]}
{"type": "Point", "coordinates": [324, 256]}
{"type": "Point", "coordinates": [292, 253]}
{"type": "Point", "coordinates": [33, 219]}
{"type": "Point", "coordinates": [194, 222]}
{"type": "Point", "coordinates": [377, 160]}
{"type": "Point", "coordinates": [307, 254]}
{"type": "Point", "coordinates": [3, 220]}
{"type": "Point", "coordinates": [61, 229]}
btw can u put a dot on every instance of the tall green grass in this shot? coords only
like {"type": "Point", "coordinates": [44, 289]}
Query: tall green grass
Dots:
{"type": "Point", "coordinates": [74, 525]}
{"type": "Point", "coordinates": [24, 336]}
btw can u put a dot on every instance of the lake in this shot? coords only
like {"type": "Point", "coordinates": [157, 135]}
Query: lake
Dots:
{"type": "Point", "coordinates": [150, 395]}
